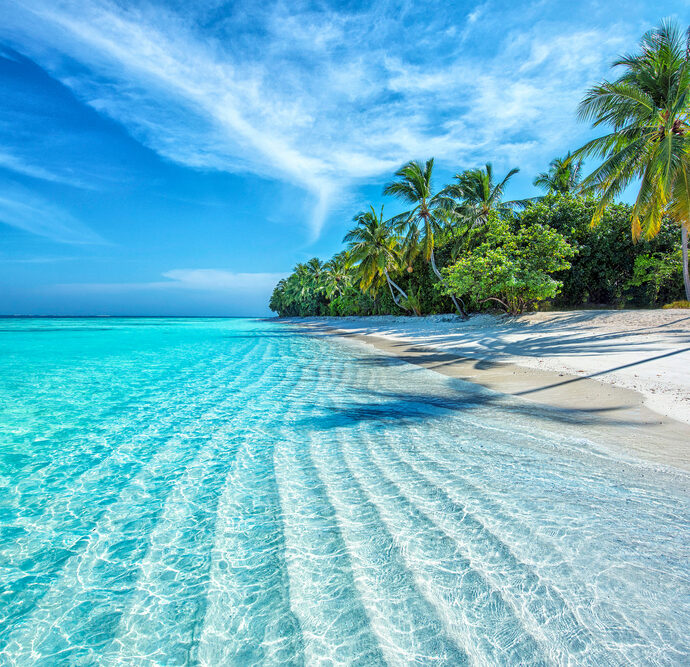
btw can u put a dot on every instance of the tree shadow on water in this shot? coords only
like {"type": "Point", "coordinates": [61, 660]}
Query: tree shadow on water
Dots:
{"type": "Point", "coordinates": [410, 408]}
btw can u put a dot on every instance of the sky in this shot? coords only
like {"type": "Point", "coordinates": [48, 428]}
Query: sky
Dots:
{"type": "Point", "coordinates": [179, 158]}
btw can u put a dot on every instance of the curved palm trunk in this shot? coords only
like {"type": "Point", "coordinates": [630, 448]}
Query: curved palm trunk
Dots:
{"type": "Point", "coordinates": [459, 308]}
{"type": "Point", "coordinates": [686, 270]}
{"type": "Point", "coordinates": [391, 285]}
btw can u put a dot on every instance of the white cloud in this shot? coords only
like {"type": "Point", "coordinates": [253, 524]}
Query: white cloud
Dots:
{"type": "Point", "coordinates": [206, 280]}
{"type": "Point", "coordinates": [28, 168]}
{"type": "Point", "coordinates": [323, 100]}
{"type": "Point", "coordinates": [25, 210]}
{"type": "Point", "coordinates": [216, 279]}
{"type": "Point", "coordinates": [37, 260]}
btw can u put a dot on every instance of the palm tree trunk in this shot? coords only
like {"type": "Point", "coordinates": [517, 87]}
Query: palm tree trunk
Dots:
{"type": "Point", "coordinates": [391, 285]}
{"type": "Point", "coordinates": [459, 308]}
{"type": "Point", "coordinates": [684, 249]}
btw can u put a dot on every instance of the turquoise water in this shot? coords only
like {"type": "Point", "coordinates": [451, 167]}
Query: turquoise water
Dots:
{"type": "Point", "coordinates": [239, 492]}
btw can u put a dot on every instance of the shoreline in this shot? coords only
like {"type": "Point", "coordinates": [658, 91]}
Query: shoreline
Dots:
{"type": "Point", "coordinates": [587, 405]}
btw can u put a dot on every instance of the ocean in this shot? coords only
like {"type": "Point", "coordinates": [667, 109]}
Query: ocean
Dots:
{"type": "Point", "coordinates": [238, 492]}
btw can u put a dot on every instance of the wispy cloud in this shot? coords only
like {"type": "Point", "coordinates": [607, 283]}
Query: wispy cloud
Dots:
{"type": "Point", "coordinates": [26, 167]}
{"type": "Point", "coordinates": [37, 260]}
{"type": "Point", "coordinates": [321, 99]}
{"type": "Point", "coordinates": [217, 279]}
{"type": "Point", "coordinates": [206, 280]}
{"type": "Point", "coordinates": [23, 209]}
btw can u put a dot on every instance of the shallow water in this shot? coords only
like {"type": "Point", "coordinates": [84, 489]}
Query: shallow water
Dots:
{"type": "Point", "coordinates": [239, 492]}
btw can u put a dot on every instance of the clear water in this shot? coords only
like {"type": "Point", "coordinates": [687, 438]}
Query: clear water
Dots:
{"type": "Point", "coordinates": [238, 492]}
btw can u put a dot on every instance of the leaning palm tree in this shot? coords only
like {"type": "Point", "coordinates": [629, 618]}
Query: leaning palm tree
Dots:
{"type": "Point", "coordinates": [376, 252]}
{"type": "Point", "coordinates": [563, 176]}
{"type": "Point", "coordinates": [425, 220]}
{"type": "Point", "coordinates": [478, 196]}
{"type": "Point", "coordinates": [648, 110]}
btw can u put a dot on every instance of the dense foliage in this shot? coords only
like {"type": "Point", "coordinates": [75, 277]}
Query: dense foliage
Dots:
{"type": "Point", "coordinates": [512, 267]}
{"type": "Point", "coordinates": [464, 247]}
{"type": "Point", "coordinates": [606, 267]}
{"type": "Point", "coordinates": [603, 270]}
{"type": "Point", "coordinates": [647, 112]}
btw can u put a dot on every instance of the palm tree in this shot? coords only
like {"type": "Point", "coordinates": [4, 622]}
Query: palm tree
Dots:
{"type": "Point", "coordinates": [315, 270]}
{"type": "Point", "coordinates": [424, 221]}
{"type": "Point", "coordinates": [563, 176]}
{"type": "Point", "coordinates": [337, 275]}
{"type": "Point", "coordinates": [279, 302]}
{"type": "Point", "coordinates": [648, 110]}
{"type": "Point", "coordinates": [479, 196]}
{"type": "Point", "coordinates": [298, 284]}
{"type": "Point", "coordinates": [376, 252]}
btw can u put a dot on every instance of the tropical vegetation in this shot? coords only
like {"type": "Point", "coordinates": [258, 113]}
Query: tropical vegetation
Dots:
{"type": "Point", "coordinates": [648, 110]}
{"type": "Point", "coordinates": [463, 247]}
{"type": "Point", "coordinates": [512, 266]}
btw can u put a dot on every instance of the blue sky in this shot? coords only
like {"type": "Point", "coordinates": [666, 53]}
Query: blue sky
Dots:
{"type": "Point", "coordinates": [179, 158]}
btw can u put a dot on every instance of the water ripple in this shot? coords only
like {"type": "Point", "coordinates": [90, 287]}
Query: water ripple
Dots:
{"type": "Point", "coordinates": [234, 492]}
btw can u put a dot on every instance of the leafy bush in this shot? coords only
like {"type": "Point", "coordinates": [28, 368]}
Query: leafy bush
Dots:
{"type": "Point", "coordinates": [603, 270]}
{"type": "Point", "coordinates": [510, 267]}
{"type": "Point", "coordinates": [678, 304]}
{"type": "Point", "coordinates": [657, 275]}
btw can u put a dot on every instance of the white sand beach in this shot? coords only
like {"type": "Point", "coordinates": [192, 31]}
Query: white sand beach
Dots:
{"type": "Point", "coordinates": [647, 351]}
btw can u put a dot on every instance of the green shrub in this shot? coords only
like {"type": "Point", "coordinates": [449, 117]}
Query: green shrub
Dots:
{"type": "Point", "coordinates": [603, 272]}
{"type": "Point", "coordinates": [657, 275]}
{"type": "Point", "coordinates": [511, 268]}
